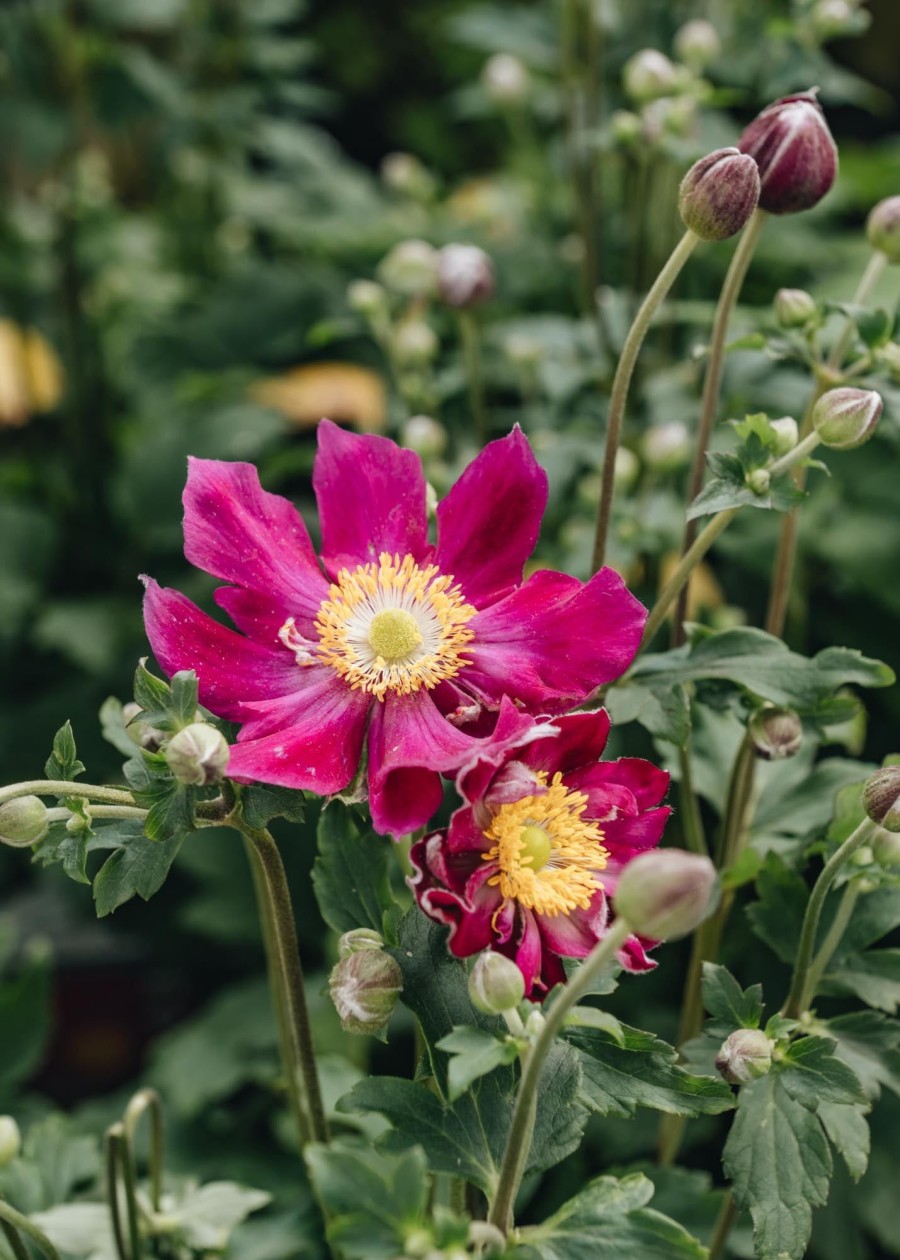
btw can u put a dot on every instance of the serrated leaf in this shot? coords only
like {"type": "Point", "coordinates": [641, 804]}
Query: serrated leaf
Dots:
{"type": "Point", "coordinates": [139, 867]}
{"type": "Point", "coordinates": [869, 1043]}
{"type": "Point", "coordinates": [372, 1200]}
{"type": "Point", "coordinates": [350, 874]}
{"type": "Point", "coordinates": [473, 1053]}
{"type": "Point", "coordinates": [848, 1132]}
{"type": "Point", "coordinates": [778, 914]}
{"type": "Point", "coordinates": [63, 762]}
{"type": "Point", "coordinates": [811, 1073]}
{"type": "Point", "coordinates": [662, 710]}
{"type": "Point", "coordinates": [72, 852]}
{"type": "Point", "coordinates": [719, 495]}
{"type": "Point", "coordinates": [779, 1163]}
{"type": "Point", "coordinates": [608, 1220]}
{"type": "Point", "coordinates": [112, 725]}
{"type": "Point", "coordinates": [260, 803]}
{"type": "Point", "coordinates": [151, 693]}
{"type": "Point", "coordinates": [730, 1005]}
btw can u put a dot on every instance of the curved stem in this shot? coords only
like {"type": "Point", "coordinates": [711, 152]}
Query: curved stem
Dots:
{"type": "Point", "coordinates": [62, 787]}
{"type": "Point", "coordinates": [18, 1221]}
{"type": "Point", "coordinates": [867, 283]}
{"type": "Point", "coordinates": [833, 938]}
{"type": "Point", "coordinates": [521, 1129]}
{"type": "Point", "coordinates": [679, 578]}
{"type": "Point", "coordinates": [148, 1100]}
{"type": "Point", "coordinates": [801, 991]}
{"type": "Point", "coordinates": [712, 381]}
{"type": "Point", "coordinates": [13, 1240]}
{"type": "Point", "coordinates": [120, 1164]}
{"type": "Point", "coordinates": [619, 394]}
{"type": "Point", "coordinates": [691, 821]}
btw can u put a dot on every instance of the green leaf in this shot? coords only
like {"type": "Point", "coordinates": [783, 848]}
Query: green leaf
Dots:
{"type": "Point", "coordinates": [79, 1229]}
{"type": "Point", "coordinates": [206, 1217]}
{"type": "Point", "coordinates": [24, 1019]}
{"type": "Point", "coordinates": [869, 1043]}
{"type": "Point", "coordinates": [473, 1053]}
{"type": "Point", "coordinates": [261, 803]}
{"type": "Point", "coordinates": [140, 866]}
{"type": "Point", "coordinates": [372, 1200]}
{"type": "Point", "coordinates": [848, 1132]}
{"type": "Point", "coordinates": [730, 1006]}
{"type": "Point", "coordinates": [166, 706]}
{"type": "Point", "coordinates": [350, 875]}
{"type": "Point", "coordinates": [642, 1072]}
{"type": "Point", "coordinates": [719, 495]}
{"type": "Point", "coordinates": [873, 976]}
{"type": "Point", "coordinates": [777, 915]}
{"type": "Point", "coordinates": [63, 762]}
{"type": "Point", "coordinates": [608, 1220]}
{"type": "Point", "coordinates": [811, 1073]}
{"type": "Point", "coordinates": [72, 852]}
{"type": "Point", "coordinates": [663, 710]}
{"type": "Point", "coordinates": [779, 1163]}
{"type": "Point", "coordinates": [112, 725]}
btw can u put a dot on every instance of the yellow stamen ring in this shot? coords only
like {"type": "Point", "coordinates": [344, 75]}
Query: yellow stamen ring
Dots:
{"type": "Point", "coordinates": [548, 855]}
{"type": "Point", "coordinates": [393, 626]}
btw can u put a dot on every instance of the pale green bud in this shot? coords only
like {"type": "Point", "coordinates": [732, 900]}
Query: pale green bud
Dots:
{"type": "Point", "coordinates": [495, 984]}
{"type": "Point", "coordinates": [364, 988]}
{"type": "Point", "coordinates": [758, 480]}
{"type": "Point", "coordinates": [886, 848]}
{"type": "Point", "coordinates": [625, 471]}
{"type": "Point", "coordinates": [410, 269]}
{"type": "Point", "coordinates": [23, 822]}
{"type": "Point", "coordinates": [506, 80]}
{"type": "Point", "coordinates": [794, 308]}
{"type": "Point", "coordinates": [404, 173]}
{"type": "Point", "coordinates": [367, 298]}
{"type": "Point", "coordinates": [648, 75]}
{"type": "Point", "coordinates": [775, 732]}
{"type": "Point", "coordinates": [889, 358]}
{"type": "Point", "coordinates": [845, 418]}
{"type": "Point", "coordinates": [415, 342]}
{"type": "Point", "coordinates": [198, 755]}
{"type": "Point", "coordinates": [626, 127]}
{"type": "Point", "coordinates": [745, 1056]}
{"type": "Point", "coordinates": [666, 447]}
{"type": "Point", "coordinates": [424, 435]}
{"type": "Point", "coordinates": [666, 893]}
{"type": "Point", "coordinates": [697, 44]}
{"type": "Point", "coordinates": [830, 19]}
{"type": "Point", "coordinates": [144, 736]}
{"type": "Point", "coordinates": [522, 349]}
{"type": "Point", "coordinates": [881, 798]}
{"type": "Point", "coordinates": [786, 433]}
{"type": "Point", "coordinates": [883, 228]}
{"type": "Point", "coordinates": [359, 939]}
{"type": "Point", "coordinates": [10, 1141]}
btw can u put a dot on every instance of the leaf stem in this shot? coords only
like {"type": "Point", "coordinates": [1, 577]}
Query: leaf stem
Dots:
{"type": "Point", "coordinates": [521, 1129]}
{"type": "Point", "coordinates": [867, 283]}
{"type": "Point", "coordinates": [833, 936]}
{"type": "Point", "coordinates": [619, 394]}
{"type": "Point", "coordinates": [728, 1214]}
{"type": "Point", "coordinates": [18, 1221]}
{"type": "Point", "coordinates": [147, 1101]}
{"type": "Point", "coordinates": [804, 979]}
{"type": "Point", "coordinates": [685, 568]}
{"type": "Point", "coordinates": [471, 345]}
{"type": "Point", "coordinates": [63, 787]}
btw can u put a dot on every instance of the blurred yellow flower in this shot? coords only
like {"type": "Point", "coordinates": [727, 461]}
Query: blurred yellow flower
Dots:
{"type": "Point", "coordinates": [344, 392]}
{"type": "Point", "coordinates": [31, 376]}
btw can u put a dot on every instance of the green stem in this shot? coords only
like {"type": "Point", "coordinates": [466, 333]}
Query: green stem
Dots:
{"type": "Point", "coordinates": [712, 381]}
{"type": "Point", "coordinates": [832, 939]}
{"type": "Point", "coordinates": [62, 787]}
{"type": "Point", "coordinates": [18, 1221]}
{"type": "Point", "coordinates": [686, 566]}
{"type": "Point", "coordinates": [727, 1216]}
{"type": "Point", "coordinates": [521, 1128]}
{"type": "Point", "coordinates": [868, 281]}
{"type": "Point", "coordinates": [801, 991]}
{"type": "Point", "coordinates": [622, 380]}
{"type": "Point", "coordinates": [691, 821]}
{"type": "Point", "coordinates": [471, 345]}
{"type": "Point", "coordinates": [120, 1163]}
{"type": "Point", "coordinates": [147, 1101]}
{"type": "Point", "coordinates": [14, 1240]}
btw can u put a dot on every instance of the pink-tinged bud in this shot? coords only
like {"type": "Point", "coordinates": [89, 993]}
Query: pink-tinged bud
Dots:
{"type": "Point", "coordinates": [718, 194]}
{"type": "Point", "coordinates": [364, 988]}
{"type": "Point", "coordinates": [666, 893]}
{"type": "Point", "coordinates": [23, 822]}
{"type": "Point", "coordinates": [198, 755]}
{"type": "Point", "coordinates": [495, 984]}
{"type": "Point", "coordinates": [795, 153]}
{"type": "Point", "coordinates": [846, 417]}
{"type": "Point", "coordinates": [10, 1141]}
{"type": "Point", "coordinates": [745, 1056]}
{"type": "Point", "coordinates": [883, 228]}
{"type": "Point", "coordinates": [649, 74]}
{"type": "Point", "coordinates": [794, 308]}
{"type": "Point", "coordinates": [881, 798]}
{"type": "Point", "coordinates": [775, 733]}
{"type": "Point", "coordinates": [697, 44]}
{"type": "Point", "coordinates": [465, 276]}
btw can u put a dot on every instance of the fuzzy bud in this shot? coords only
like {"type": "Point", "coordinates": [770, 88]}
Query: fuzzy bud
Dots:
{"type": "Point", "coordinates": [198, 755]}
{"type": "Point", "coordinates": [786, 434]}
{"type": "Point", "coordinates": [410, 269]}
{"type": "Point", "coordinates": [775, 733]}
{"type": "Point", "coordinates": [415, 343]}
{"type": "Point", "coordinates": [648, 75]}
{"type": "Point", "coordinates": [424, 435]}
{"type": "Point", "coordinates": [505, 79]}
{"type": "Point", "coordinates": [495, 984]}
{"type": "Point", "coordinates": [758, 480]}
{"type": "Point", "coordinates": [367, 298]}
{"type": "Point", "coordinates": [795, 153]}
{"type": "Point", "coordinates": [666, 893]}
{"type": "Point", "coordinates": [697, 44]}
{"type": "Point", "coordinates": [745, 1056]}
{"type": "Point", "coordinates": [886, 848]}
{"type": "Point", "coordinates": [718, 194]}
{"type": "Point", "coordinates": [144, 736]}
{"type": "Point", "coordinates": [364, 988]}
{"type": "Point", "coordinates": [465, 276]}
{"type": "Point", "coordinates": [847, 417]}
{"type": "Point", "coordinates": [23, 822]}
{"type": "Point", "coordinates": [359, 939]}
{"type": "Point", "coordinates": [883, 228]}
{"type": "Point", "coordinates": [881, 798]}
{"type": "Point", "coordinates": [794, 308]}
{"type": "Point", "coordinates": [10, 1141]}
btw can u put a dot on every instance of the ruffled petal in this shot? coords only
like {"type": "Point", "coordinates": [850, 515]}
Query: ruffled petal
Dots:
{"type": "Point", "coordinates": [513, 732]}
{"type": "Point", "coordinates": [580, 741]}
{"type": "Point", "coordinates": [371, 497]}
{"type": "Point", "coordinates": [633, 954]}
{"type": "Point", "coordinates": [527, 949]}
{"type": "Point", "coordinates": [625, 838]}
{"type": "Point", "coordinates": [554, 640]}
{"type": "Point", "coordinates": [489, 522]}
{"type": "Point", "coordinates": [646, 783]}
{"type": "Point", "coordinates": [231, 670]}
{"type": "Point", "coordinates": [237, 531]}
{"type": "Point", "coordinates": [574, 935]}
{"type": "Point", "coordinates": [469, 921]}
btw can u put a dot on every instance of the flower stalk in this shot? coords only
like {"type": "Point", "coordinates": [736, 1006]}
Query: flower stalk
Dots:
{"type": "Point", "coordinates": [14, 1223]}
{"type": "Point", "coordinates": [121, 1185]}
{"type": "Point", "coordinates": [470, 340]}
{"type": "Point", "coordinates": [147, 1102]}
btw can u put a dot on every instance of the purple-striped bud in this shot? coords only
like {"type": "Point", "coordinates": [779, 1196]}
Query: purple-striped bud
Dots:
{"type": "Point", "coordinates": [745, 1056]}
{"type": "Point", "coordinates": [846, 417]}
{"type": "Point", "coordinates": [883, 228]}
{"type": "Point", "coordinates": [795, 153]}
{"type": "Point", "coordinates": [465, 276]}
{"type": "Point", "coordinates": [718, 194]}
{"type": "Point", "coordinates": [881, 798]}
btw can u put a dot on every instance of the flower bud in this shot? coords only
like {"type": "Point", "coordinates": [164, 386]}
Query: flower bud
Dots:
{"type": "Point", "coordinates": [415, 343]}
{"type": "Point", "coordinates": [424, 435]}
{"type": "Point", "coordinates": [697, 44]}
{"type": "Point", "coordinates": [142, 735]}
{"type": "Point", "coordinates": [758, 480]}
{"type": "Point", "coordinates": [522, 349]}
{"type": "Point", "coordinates": [495, 983]}
{"type": "Point", "coordinates": [404, 173]}
{"type": "Point", "coordinates": [889, 358]}
{"type": "Point", "coordinates": [718, 194]}
{"type": "Point", "coordinates": [23, 822]}
{"type": "Point", "coordinates": [626, 471]}
{"type": "Point", "coordinates": [198, 755]}
{"type": "Point", "coordinates": [626, 127]}
{"type": "Point", "coordinates": [846, 417]}
{"type": "Point", "coordinates": [505, 80]}
{"type": "Point", "coordinates": [794, 308]}
{"type": "Point", "coordinates": [649, 74]}
{"type": "Point", "coordinates": [886, 848]}
{"type": "Point", "coordinates": [465, 276]}
{"type": "Point", "coordinates": [883, 228]}
{"type": "Point", "coordinates": [786, 434]}
{"type": "Point", "coordinates": [795, 153]}
{"type": "Point", "coordinates": [410, 269]}
{"type": "Point", "coordinates": [366, 298]}
{"type": "Point", "coordinates": [666, 893]}
{"type": "Point", "coordinates": [667, 446]}
{"type": "Point", "coordinates": [10, 1140]}
{"type": "Point", "coordinates": [775, 733]}
{"type": "Point", "coordinates": [358, 939]}
{"type": "Point", "coordinates": [745, 1056]}
{"type": "Point", "coordinates": [881, 798]}
{"type": "Point", "coordinates": [364, 988]}
{"type": "Point", "coordinates": [829, 19]}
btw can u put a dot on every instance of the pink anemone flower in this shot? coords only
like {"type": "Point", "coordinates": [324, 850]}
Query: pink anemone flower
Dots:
{"type": "Point", "coordinates": [529, 865]}
{"type": "Point", "coordinates": [393, 641]}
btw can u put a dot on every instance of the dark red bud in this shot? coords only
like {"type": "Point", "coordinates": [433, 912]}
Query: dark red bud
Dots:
{"type": "Point", "coordinates": [795, 153]}
{"type": "Point", "coordinates": [718, 194]}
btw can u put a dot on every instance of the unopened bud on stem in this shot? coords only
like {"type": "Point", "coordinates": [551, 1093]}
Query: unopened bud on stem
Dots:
{"type": "Point", "coordinates": [358, 939]}
{"type": "Point", "coordinates": [794, 308]}
{"type": "Point", "coordinates": [495, 983]}
{"type": "Point", "coordinates": [847, 417]}
{"type": "Point", "coordinates": [465, 276]}
{"type": "Point", "coordinates": [410, 269]}
{"type": "Point", "coordinates": [666, 894]}
{"type": "Point", "coordinates": [795, 153]}
{"type": "Point", "coordinates": [883, 228]}
{"type": "Point", "coordinates": [505, 79]}
{"type": "Point", "coordinates": [198, 755]}
{"type": "Point", "coordinates": [718, 194]}
{"type": "Point", "coordinates": [649, 74]}
{"type": "Point", "coordinates": [697, 44]}
{"type": "Point", "coordinates": [881, 798]}
{"type": "Point", "coordinates": [23, 822]}
{"type": "Point", "coordinates": [775, 733]}
{"type": "Point", "coordinates": [745, 1056]}
{"type": "Point", "coordinates": [364, 988]}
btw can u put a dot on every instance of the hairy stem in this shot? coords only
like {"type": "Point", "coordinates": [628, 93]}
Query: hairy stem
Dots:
{"type": "Point", "coordinates": [622, 380]}
{"type": "Point", "coordinates": [62, 787]}
{"type": "Point", "coordinates": [120, 1173]}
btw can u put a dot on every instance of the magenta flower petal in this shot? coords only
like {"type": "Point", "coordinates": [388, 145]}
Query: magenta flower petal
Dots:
{"type": "Point", "coordinates": [230, 668]}
{"type": "Point", "coordinates": [371, 497]}
{"type": "Point", "coordinates": [259, 616]}
{"type": "Point", "coordinates": [580, 741]}
{"type": "Point", "coordinates": [512, 735]}
{"type": "Point", "coordinates": [237, 531]}
{"type": "Point", "coordinates": [633, 955]}
{"type": "Point", "coordinates": [646, 782]}
{"type": "Point", "coordinates": [575, 935]}
{"type": "Point", "coordinates": [528, 950]}
{"type": "Point", "coordinates": [488, 524]}
{"type": "Point", "coordinates": [554, 640]}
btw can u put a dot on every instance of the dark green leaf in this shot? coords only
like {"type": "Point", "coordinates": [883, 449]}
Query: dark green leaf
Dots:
{"type": "Point", "coordinates": [873, 976]}
{"type": "Point", "coordinates": [731, 1006]}
{"type": "Point", "coordinates": [73, 852]}
{"type": "Point", "coordinates": [848, 1132]}
{"type": "Point", "coordinates": [663, 710]}
{"type": "Point", "coordinates": [812, 1074]}
{"type": "Point", "coordinates": [473, 1053]}
{"type": "Point", "coordinates": [168, 707]}
{"type": "Point", "coordinates": [869, 1043]}
{"type": "Point", "coordinates": [350, 875]}
{"type": "Point", "coordinates": [777, 915]}
{"type": "Point", "coordinates": [261, 803]}
{"type": "Point", "coordinates": [24, 1019]}
{"type": "Point", "coordinates": [63, 762]}
{"type": "Point", "coordinates": [718, 495]}
{"type": "Point", "coordinates": [140, 866]}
